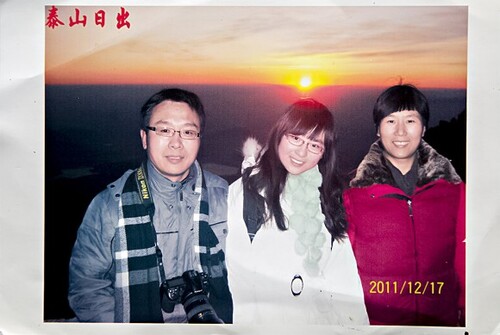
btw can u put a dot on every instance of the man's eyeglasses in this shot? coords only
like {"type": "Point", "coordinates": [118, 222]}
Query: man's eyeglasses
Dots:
{"type": "Point", "coordinates": [313, 147]}
{"type": "Point", "coordinates": [186, 134]}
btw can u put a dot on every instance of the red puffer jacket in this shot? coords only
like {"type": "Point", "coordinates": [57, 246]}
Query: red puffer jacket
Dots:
{"type": "Point", "coordinates": [410, 250]}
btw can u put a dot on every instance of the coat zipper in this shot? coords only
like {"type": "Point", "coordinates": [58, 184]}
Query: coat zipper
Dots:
{"type": "Point", "coordinates": [410, 213]}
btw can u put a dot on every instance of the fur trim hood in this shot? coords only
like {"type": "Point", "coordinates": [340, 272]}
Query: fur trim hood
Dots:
{"type": "Point", "coordinates": [431, 166]}
{"type": "Point", "coordinates": [251, 153]}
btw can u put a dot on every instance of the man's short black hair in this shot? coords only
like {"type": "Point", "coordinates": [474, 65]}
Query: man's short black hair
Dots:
{"type": "Point", "coordinates": [177, 95]}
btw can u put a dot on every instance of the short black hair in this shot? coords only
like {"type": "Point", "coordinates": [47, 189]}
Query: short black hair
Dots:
{"type": "Point", "coordinates": [399, 98]}
{"type": "Point", "coordinates": [177, 95]}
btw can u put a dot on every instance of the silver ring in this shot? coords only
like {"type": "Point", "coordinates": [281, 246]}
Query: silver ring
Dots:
{"type": "Point", "coordinates": [297, 285]}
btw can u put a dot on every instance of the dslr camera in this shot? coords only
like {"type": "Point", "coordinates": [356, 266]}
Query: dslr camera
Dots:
{"type": "Point", "coordinates": [190, 290]}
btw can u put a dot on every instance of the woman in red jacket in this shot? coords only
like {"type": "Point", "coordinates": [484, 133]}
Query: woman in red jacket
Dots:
{"type": "Point", "coordinates": [406, 214]}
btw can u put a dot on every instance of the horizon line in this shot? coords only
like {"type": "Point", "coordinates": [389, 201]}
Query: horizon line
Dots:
{"type": "Point", "coordinates": [254, 84]}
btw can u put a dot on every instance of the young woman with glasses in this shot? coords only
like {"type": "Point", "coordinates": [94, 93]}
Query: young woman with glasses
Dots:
{"type": "Point", "coordinates": [288, 257]}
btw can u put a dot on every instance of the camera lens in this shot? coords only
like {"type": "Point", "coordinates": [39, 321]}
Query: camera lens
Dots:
{"type": "Point", "coordinates": [191, 290]}
{"type": "Point", "coordinates": [199, 310]}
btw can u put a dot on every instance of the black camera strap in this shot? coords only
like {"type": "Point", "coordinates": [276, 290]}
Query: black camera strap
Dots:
{"type": "Point", "coordinates": [147, 201]}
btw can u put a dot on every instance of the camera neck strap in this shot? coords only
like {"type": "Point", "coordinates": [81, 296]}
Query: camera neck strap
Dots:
{"type": "Point", "coordinates": [147, 201]}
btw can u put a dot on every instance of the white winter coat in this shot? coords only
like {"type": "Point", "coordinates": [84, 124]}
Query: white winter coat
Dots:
{"type": "Point", "coordinates": [261, 274]}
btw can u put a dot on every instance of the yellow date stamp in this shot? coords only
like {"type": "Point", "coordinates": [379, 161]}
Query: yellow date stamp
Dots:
{"type": "Point", "coordinates": [406, 287]}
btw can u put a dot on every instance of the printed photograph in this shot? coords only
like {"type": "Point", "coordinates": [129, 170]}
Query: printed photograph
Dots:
{"type": "Point", "coordinates": [247, 165]}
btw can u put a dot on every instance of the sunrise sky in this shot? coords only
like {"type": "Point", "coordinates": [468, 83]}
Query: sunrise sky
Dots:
{"type": "Point", "coordinates": [298, 46]}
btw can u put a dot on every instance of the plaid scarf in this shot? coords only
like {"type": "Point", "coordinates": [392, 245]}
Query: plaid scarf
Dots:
{"type": "Point", "coordinates": [138, 258]}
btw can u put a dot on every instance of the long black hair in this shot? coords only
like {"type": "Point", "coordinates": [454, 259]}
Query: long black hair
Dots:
{"type": "Point", "coordinates": [306, 116]}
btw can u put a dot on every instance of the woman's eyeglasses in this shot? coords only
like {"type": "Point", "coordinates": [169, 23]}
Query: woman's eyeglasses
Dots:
{"type": "Point", "coordinates": [313, 147]}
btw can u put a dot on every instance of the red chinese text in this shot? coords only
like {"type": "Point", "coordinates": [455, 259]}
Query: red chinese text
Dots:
{"type": "Point", "coordinates": [53, 18]}
{"type": "Point", "coordinates": [121, 19]}
{"type": "Point", "coordinates": [100, 18]}
{"type": "Point", "coordinates": [79, 18]}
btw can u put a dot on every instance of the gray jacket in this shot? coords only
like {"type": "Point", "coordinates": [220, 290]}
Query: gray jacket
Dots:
{"type": "Point", "coordinates": [91, 269]}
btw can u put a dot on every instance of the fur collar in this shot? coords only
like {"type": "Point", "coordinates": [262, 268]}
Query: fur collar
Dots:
{"type": "Point", "coordinates": [431, 166]}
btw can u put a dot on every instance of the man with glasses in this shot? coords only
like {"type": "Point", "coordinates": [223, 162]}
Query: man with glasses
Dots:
{"type": "Point", "coordinates": [154, 240]}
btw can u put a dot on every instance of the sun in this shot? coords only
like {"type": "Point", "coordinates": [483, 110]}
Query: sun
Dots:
{"type": "Point", "coordinates": [305, 82]}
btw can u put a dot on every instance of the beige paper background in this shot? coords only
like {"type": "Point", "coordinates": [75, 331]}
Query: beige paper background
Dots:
{"type": "Point", "coordinates": [22, 158]}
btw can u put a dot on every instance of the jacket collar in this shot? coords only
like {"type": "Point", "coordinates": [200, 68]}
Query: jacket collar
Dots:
{"type": "Point", "coordinates": [432, 166]}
